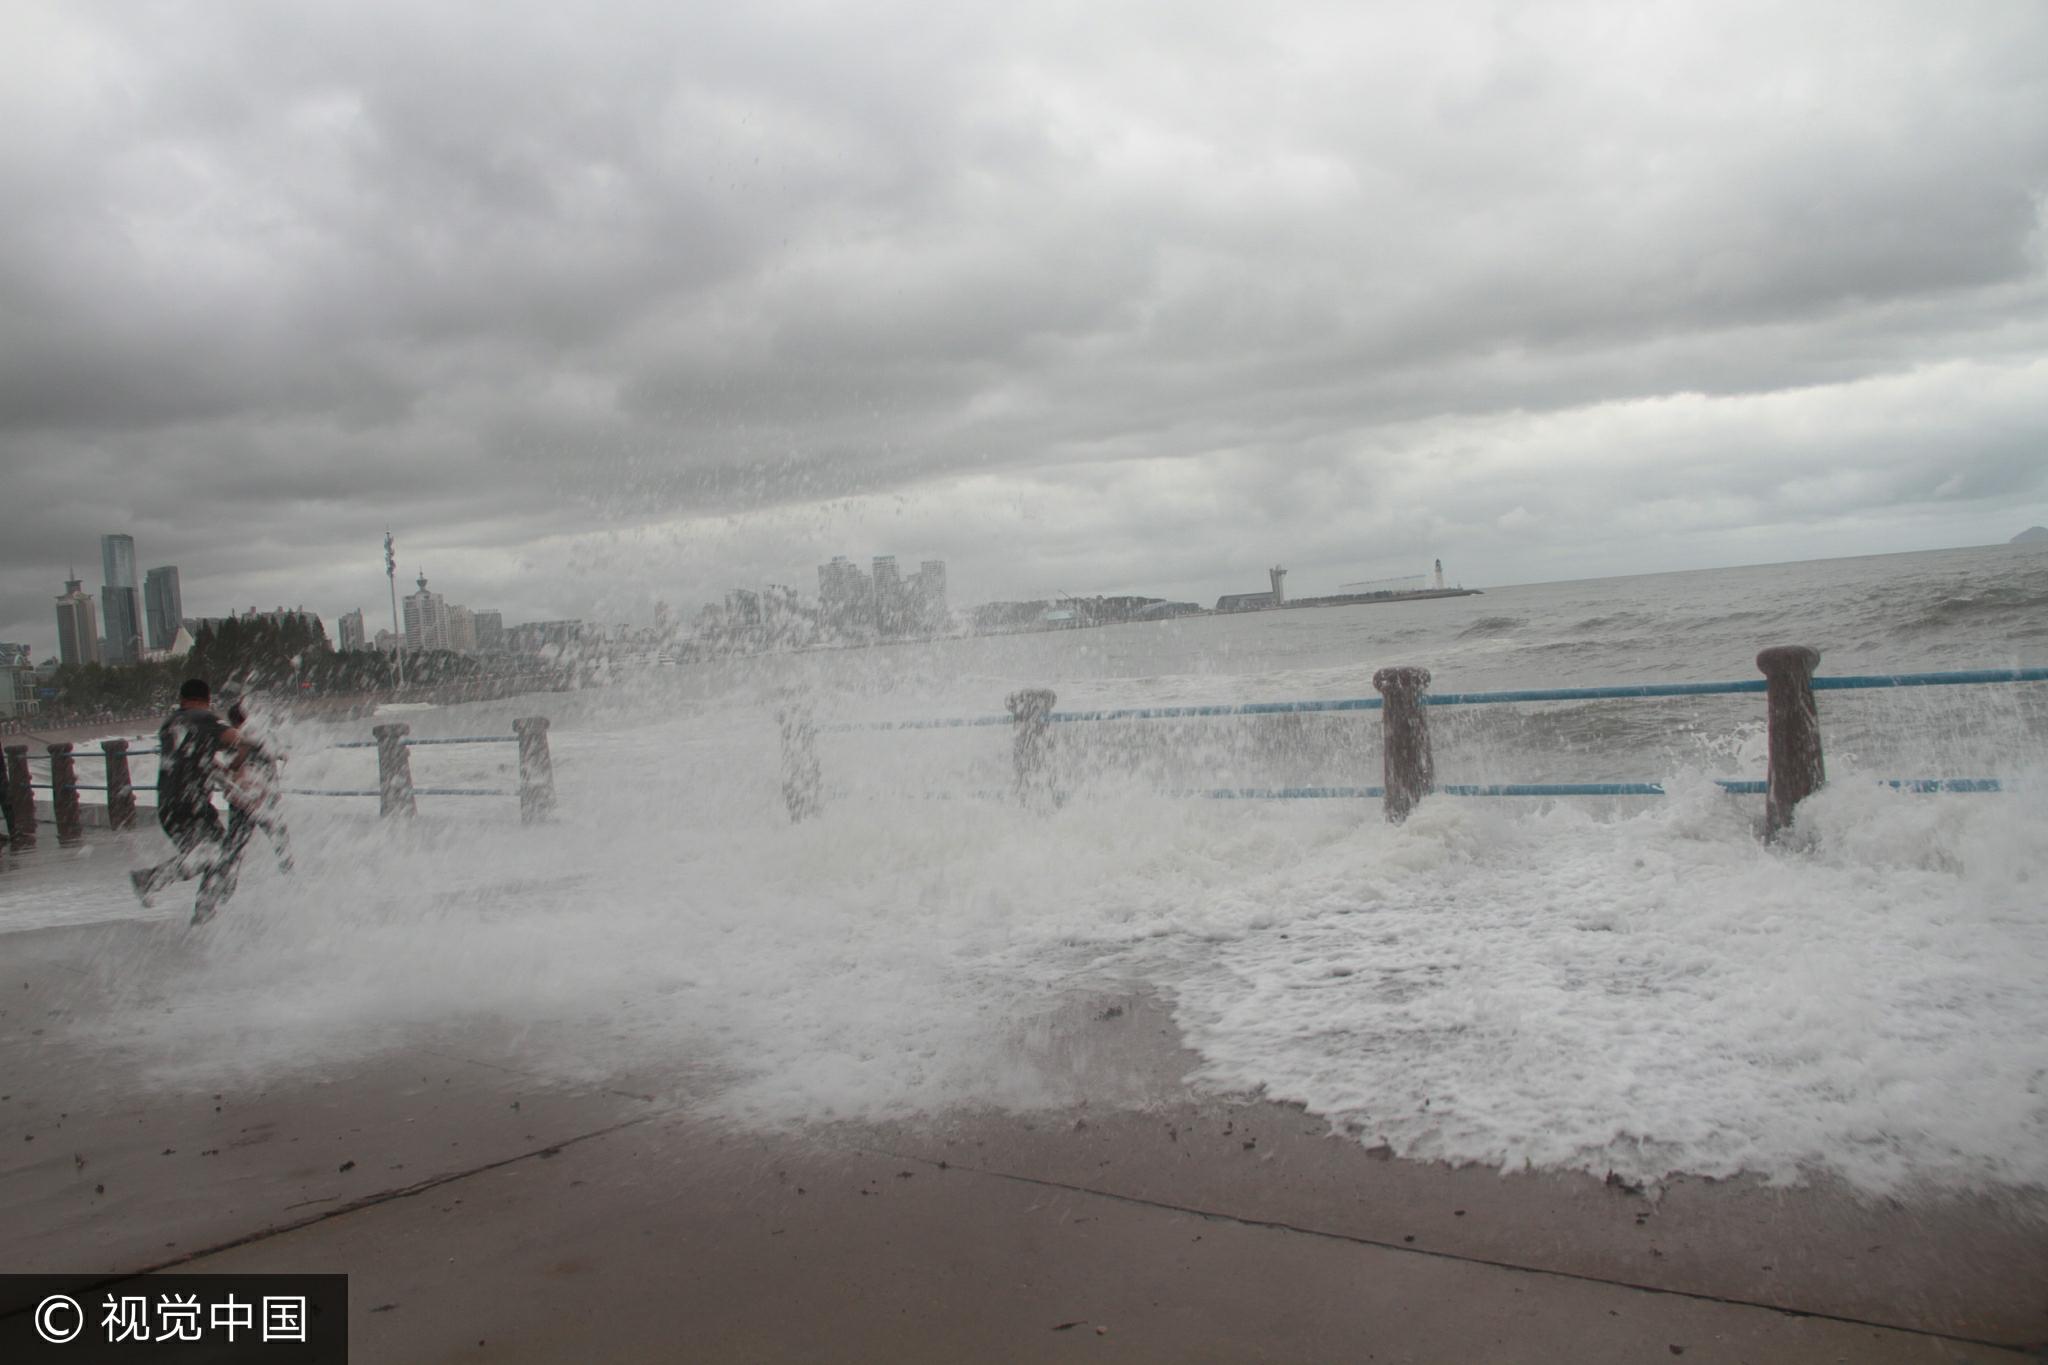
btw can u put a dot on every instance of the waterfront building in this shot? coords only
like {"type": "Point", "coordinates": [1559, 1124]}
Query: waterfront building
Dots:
{"type": "Point", "coordinates": [120, 600]}
{"type": "Point", "coordinates": [426, 618]}
{"type": "Point", "coordinates": [164, 605]}
{"type": "Point", "coordinates": [78, 626]}
{"type": "Point", "coordinates": [534, 637]}
{"type": "Point", "coordinates": [846, 598]}
{"type": "Point", "coordinates": [891, 601]}
{"type": "Point", "coordinates": [462, 630]}
{"type": "Point", "coordinates": [742, 607]}
{"type": "Point", "coordinates": [295, 616]}
{"type": "Point", "coordinates": [117, 560]}
{"type": "Point", "coordinates": [928, 591]}
{"type": "Point", "coordinates": [490, 631]}
{"type": "Point", "coordinates": [17, 683]}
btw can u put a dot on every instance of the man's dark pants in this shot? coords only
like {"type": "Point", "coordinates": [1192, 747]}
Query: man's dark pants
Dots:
{"type": "Point", "coordinates": [205, 851]}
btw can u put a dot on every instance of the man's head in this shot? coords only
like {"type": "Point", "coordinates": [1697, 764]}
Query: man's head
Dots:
{"type": "Point", "coordinates": [194, 694]}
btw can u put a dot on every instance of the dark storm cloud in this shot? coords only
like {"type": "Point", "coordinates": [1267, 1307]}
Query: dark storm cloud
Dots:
{"type": "Point", "coordinates": [1117, 294]}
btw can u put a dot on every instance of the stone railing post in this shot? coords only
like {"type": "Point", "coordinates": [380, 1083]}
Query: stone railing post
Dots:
{"type": "Point", "coordinates": [536, 770]}
{"type": "Point", "coordinates": [120, 786]}
{"type": "Point", "coordinates": [394, 771]}
{"type": "Point", "coordinates": [1031, 745]}
{"type": "Point", "coordinates": [1796, 770]}
{"type": "Point", "coordinates": [64, 795]}
{"type": "Point", "coordinates": [802, 778]}
{"type": "Point", "coordinates": [21, 798]}
{"type": "Point", "coordinates": [1407, 771]}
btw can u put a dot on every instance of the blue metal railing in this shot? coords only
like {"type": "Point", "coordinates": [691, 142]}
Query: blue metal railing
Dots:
{"type": "Point", "coordinates": [1511, 789]}
{"type": "Point", "coordinates": [415, 743]}
{"type": "Point", "coordinates": [411, 743]}
{"type": "Point", "coordinates": [416, 791]}
{"type": "Point", "coordinates": [1734, 786]}
{"type": "Point", "coordinates": [312, 791]}
{"type": "Point", "coordinates": [536, 797]}
{"type": "Point", "coordinates": [1625, 690]}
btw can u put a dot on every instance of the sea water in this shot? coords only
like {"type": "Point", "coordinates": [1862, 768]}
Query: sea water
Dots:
{"type": "Point", "coordinates": [1636, 985]}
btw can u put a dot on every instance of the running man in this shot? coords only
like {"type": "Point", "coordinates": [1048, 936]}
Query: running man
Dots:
{"type": "Point", "coordinates": [193, 748]}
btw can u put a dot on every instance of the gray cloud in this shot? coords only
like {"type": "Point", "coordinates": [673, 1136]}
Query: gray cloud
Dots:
{"type": "Point", "coordinates": [600, 305]}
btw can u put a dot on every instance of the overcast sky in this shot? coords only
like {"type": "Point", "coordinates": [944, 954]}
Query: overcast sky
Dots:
{"type": "Point", "coordinates": [603, 303]}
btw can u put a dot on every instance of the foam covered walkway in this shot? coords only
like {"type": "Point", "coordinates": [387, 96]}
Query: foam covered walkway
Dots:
{"type": "Point", "coordinates": [485, 1212]}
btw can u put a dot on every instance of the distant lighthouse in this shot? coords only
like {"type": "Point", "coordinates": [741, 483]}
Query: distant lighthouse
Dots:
{"type": "Point", "coordinates": [1439, 575]}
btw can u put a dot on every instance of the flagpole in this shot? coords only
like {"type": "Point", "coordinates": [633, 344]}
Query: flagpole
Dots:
{"type": "Point", "coordinates": [397, 630]}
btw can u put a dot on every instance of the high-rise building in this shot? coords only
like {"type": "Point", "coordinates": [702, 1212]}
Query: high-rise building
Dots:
{"type": "Point", "coordinates": [462, 630]}
{"type": "Point", "coordinates": [846, 599]}
{"type": "Point", "coordinates": [426, 618]}
{"type": "Point", "coordinates": [743, 607]}
{"type": "Point", "coordinates": [890, 600]}
{"type": "Point", "coordinates": [350, 627]}
{"type": "Point", "coordinates": [123, 624]}
{"type": "Point", "coordinates": [929, 591]}
{"type": "Point", "coordinates": [490, 631]}
{"type": "Point", "coordinates": [120, 599]}
{"type": "Point", "coordinates": [164, 604]}
{"type": "Point", "coordinates": [896, 603]}
{"type": "Point", "coordinates": [117, 558]}
{"type": "Point", "coordinates": [78, 627]}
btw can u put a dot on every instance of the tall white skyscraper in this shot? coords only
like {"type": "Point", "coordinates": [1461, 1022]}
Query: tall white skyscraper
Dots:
{"type": "Point", "coordinates": [426, 618]}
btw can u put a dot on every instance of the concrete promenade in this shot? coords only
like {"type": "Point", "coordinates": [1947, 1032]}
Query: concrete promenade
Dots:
{"type": "Point", "coordinates": [485, 1212]}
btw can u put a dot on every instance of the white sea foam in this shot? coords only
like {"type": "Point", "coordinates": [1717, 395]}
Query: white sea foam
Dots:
{"type": "Point", "coordinates": [1647, 990]}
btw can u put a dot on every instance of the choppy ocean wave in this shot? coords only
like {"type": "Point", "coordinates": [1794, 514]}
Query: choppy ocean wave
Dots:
{"type": "Point", "coordinates": [1488, 626]}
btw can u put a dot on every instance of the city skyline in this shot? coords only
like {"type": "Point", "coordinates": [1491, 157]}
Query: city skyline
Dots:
{"type": "Point", "coordinates": [133, 618]}
{"type": "Point", "coordinates": [428, 620]}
